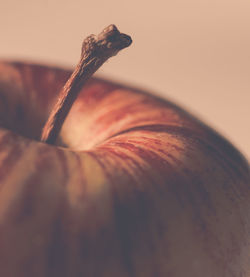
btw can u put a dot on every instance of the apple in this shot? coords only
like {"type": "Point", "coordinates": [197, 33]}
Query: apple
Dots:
{"type": "Point", "coordinates": [134, 186]}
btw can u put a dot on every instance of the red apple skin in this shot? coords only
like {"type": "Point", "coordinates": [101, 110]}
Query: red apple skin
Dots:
{"type": "Point", "coordinates": [136, 186]}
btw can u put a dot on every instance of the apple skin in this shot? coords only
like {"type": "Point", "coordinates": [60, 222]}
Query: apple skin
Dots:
{"type": "Point", "coordinates": [136, 186]}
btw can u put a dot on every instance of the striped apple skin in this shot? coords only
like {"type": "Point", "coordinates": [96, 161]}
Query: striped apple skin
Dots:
{"type": "Point", "coordinates": [135, 187]}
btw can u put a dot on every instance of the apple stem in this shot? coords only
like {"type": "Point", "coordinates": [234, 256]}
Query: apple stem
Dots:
{"type": "Point", "coordinates": [95, 51]}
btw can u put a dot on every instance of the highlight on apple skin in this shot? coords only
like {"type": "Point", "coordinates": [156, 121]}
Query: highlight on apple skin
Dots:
{"type": "Point", "coordinates": [135, 187]}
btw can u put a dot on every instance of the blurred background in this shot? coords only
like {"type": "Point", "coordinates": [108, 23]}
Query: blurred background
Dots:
{"type": "Point", "coordinates": [194, 52]}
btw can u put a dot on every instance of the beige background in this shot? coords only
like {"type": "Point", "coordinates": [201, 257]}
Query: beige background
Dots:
{"type": "Point", "coordinates": [195, 52]}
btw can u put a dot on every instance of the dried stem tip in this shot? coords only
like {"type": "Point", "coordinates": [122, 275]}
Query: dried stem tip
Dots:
{"type": "Point", "coordinates": [95, 51]}
{"type": "Point", "coordinates": [107, 44]}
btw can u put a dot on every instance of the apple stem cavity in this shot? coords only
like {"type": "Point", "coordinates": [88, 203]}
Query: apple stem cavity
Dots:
{"type": "Point", "coordinates": [95, 51]}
